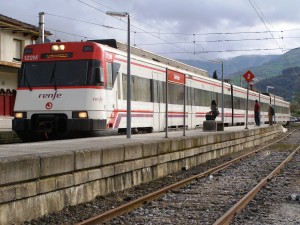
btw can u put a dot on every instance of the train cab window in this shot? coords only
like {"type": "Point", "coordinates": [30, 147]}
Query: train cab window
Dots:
{"type": "Point", "coordinates": [109, 75]}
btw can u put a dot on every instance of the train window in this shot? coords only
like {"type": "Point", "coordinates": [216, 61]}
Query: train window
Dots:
{"type": "Point", "coordinates": [93, 66]}
{"type": "Point", "coordinates": [115, 72]}
{"type": "Point", "coordinates": [153, 89]}
{"type": "Point", "coordinates": [190, 96]}
{"type": "Point", "coordinates": [141, 89]}
{"type": "Point", "coordinates": [206, 98]}
{"type": "Point", "coordinates": [197, 96]}
{"type": "Point", "coordinates": [236, 103]}
{"type": "Point", "coordinates": [124, 79]}
{"type": "Point", "coordinates": [109, 75]}
{"type": "Point", "coordinates": [243, 103]}
{"type": "Point", "coordinates": [161, 91]}
{"type": "Point", "coordinates": [227, 101]}
{"type": "Point", "coordinates": [158, 90]}
{"type": "Point", "coordinates": [176, 94]}
{"type": "Point", "coordinates": [215, 96]}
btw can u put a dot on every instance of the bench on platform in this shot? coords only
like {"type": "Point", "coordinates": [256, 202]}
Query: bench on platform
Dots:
{"type": "Point", "coordinates": [212, 125]}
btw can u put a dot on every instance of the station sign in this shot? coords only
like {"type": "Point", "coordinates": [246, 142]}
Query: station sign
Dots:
{"type": "Point", "coordinates": [176, 77]}
{"type": "Point", "coordinates": [248, 76]}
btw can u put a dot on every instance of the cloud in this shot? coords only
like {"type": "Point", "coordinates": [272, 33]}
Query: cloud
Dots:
{"type": "Point", "coordinates": [171, 24]}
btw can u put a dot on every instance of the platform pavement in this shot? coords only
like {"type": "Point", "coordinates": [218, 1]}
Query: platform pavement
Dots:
{"type": "Point", "coordinates": [19, 149]}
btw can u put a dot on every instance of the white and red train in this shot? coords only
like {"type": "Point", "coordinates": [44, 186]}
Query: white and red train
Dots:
{"type": "Point", "coordinates": [69, 88]}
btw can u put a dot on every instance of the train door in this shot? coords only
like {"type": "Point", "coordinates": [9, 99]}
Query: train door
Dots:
{"type": "Point", "coordinates": [158, 108]}
{"type": "Point", "coordinates": [112, 89]}
{"type": "Point", "coordinates": [189, 104]}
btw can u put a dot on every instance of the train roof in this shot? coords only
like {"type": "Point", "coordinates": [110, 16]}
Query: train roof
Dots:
{"type": "Point", "coordinates": [149, 55]}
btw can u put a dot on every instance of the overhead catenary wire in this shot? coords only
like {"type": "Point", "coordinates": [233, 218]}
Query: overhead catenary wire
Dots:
{"type": "Point", "coordinates": [190, 47]}
{"type": "Point", "coordinates": [228, 50]}
{"type": "Point", "coordinates": [137, 27]}
{"type": "Point", "coordinates": [174, 43]}
{"type": "Point", "coordinates": [194, 42]}
{"type": "Point", "coordinates": [256, 9]}
{"type": "Point", "coordinates": [164, 43]}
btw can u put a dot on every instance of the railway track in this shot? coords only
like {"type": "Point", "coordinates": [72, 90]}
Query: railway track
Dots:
{"type": "Point", "coordinates": [211, 197]}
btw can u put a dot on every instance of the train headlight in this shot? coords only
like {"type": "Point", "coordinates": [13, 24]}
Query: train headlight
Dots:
{"type": "Point", "coordinates": [80, 114]}
{"type": "Point", "coordinates": [57, 48]}
{"type": "Point", "coordinates": [83, 115]}
{"type": "Point", "coordinates": [20, 115]}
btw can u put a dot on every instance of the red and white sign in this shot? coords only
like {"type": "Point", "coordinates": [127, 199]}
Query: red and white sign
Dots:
{"type": "Point", "coordinates": [109, 57]}
{"type": "Point", "coordinates": [248, 76]}
{"type": "Point", "coordinates": [176, 77]}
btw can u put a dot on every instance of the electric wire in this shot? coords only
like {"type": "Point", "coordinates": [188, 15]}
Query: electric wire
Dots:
{"type": "Point", "coordinates": [256, 9]}
{"type": "Point", "coordinates": [194, 42]}
{"type": "Point", "coordinates": [176, 46]}
{"type": "Point", "coordinates": [185, 42]}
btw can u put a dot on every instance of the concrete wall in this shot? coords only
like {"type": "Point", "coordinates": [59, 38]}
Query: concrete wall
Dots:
{"type": "Point", "coordinates": [35, 185]}
{"type": "Point", "coordinates": [7, 47]}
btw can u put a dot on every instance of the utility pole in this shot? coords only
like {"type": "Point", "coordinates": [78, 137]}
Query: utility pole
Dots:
{"type": "Point", "coordinates": [41, 27]}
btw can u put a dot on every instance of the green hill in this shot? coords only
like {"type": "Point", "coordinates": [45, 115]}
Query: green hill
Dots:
{"type": "Point", "coordinates": [283, 73]}
{"type": "Point", "coordinates": [291, 59]}
{"type": "Point", "coordinates": [279, 71]}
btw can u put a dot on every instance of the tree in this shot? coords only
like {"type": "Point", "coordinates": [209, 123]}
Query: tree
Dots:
{"type": "Point", "coordinates": [295, 105]}
{"type": "Point", "coordinates": [215, 75]}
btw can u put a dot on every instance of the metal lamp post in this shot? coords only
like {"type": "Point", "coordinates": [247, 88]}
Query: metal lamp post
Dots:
{"type": "Point", "coordinates": [126, 14]}
{"type": "Point", "coordinates": [271, 87]}
{"type": "Point", "coordinates": [221, 62]}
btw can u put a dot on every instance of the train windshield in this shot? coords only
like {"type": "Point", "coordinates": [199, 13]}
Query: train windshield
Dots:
{"type": "Point", "coordinates": [59, 73]}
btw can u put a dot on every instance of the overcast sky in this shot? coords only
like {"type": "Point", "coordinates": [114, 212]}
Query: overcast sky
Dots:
{"type": "Point", "coordinates": [194, 29]}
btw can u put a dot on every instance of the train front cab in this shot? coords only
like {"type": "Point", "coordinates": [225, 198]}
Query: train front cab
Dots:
{"type": "Point", "coordinates": [48, 126]}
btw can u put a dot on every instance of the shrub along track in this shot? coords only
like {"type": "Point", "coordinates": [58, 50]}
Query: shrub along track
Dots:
{"type": "Point", "coordinates": [203, 201]}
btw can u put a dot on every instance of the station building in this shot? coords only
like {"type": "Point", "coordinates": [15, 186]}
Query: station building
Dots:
{"type": "Point", "coordinates": [14, 36]}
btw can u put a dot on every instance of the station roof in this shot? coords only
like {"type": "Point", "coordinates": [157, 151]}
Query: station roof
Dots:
{"type": "Point", "coordinates": [10, 24]}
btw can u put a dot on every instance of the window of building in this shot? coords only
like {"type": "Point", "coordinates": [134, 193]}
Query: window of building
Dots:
{"type": "Point", "coordinates": [17, 50]}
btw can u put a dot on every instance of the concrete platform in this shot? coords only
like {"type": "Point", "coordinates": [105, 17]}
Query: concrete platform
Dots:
{"type": "Point", "coordinates": [44, 177]}
{"type": "Point", "coordinates": [6, 122]}
{"type": "Point", "coordinates": [18, 149]}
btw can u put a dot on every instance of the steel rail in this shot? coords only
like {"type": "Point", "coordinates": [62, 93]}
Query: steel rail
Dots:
{"type": "Point", "coordinates": [130, 206]}
{"type": "Point", "coordinates": [241, 204]}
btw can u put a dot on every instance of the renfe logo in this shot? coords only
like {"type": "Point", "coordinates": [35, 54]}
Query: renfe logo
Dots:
{"type": "Point", "coordinates": [51, 96]}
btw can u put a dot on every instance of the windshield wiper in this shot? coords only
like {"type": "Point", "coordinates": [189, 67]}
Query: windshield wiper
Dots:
{"type": "Point", "coordinates": [25, 77]}
{"type": "Point", "coordinates": [53, 77]}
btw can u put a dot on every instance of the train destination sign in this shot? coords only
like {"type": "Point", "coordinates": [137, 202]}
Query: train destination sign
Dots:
{"type": "Point", "coordinates": [57, 55]}
{"type": "Point", "coordinates": [248, 76]}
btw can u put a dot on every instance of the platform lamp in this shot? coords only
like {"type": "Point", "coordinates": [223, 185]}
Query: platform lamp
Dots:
{"type": "Point", "coordinates": [221, 62]}
{"type": "Point", "coordinates": [128, 121]}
